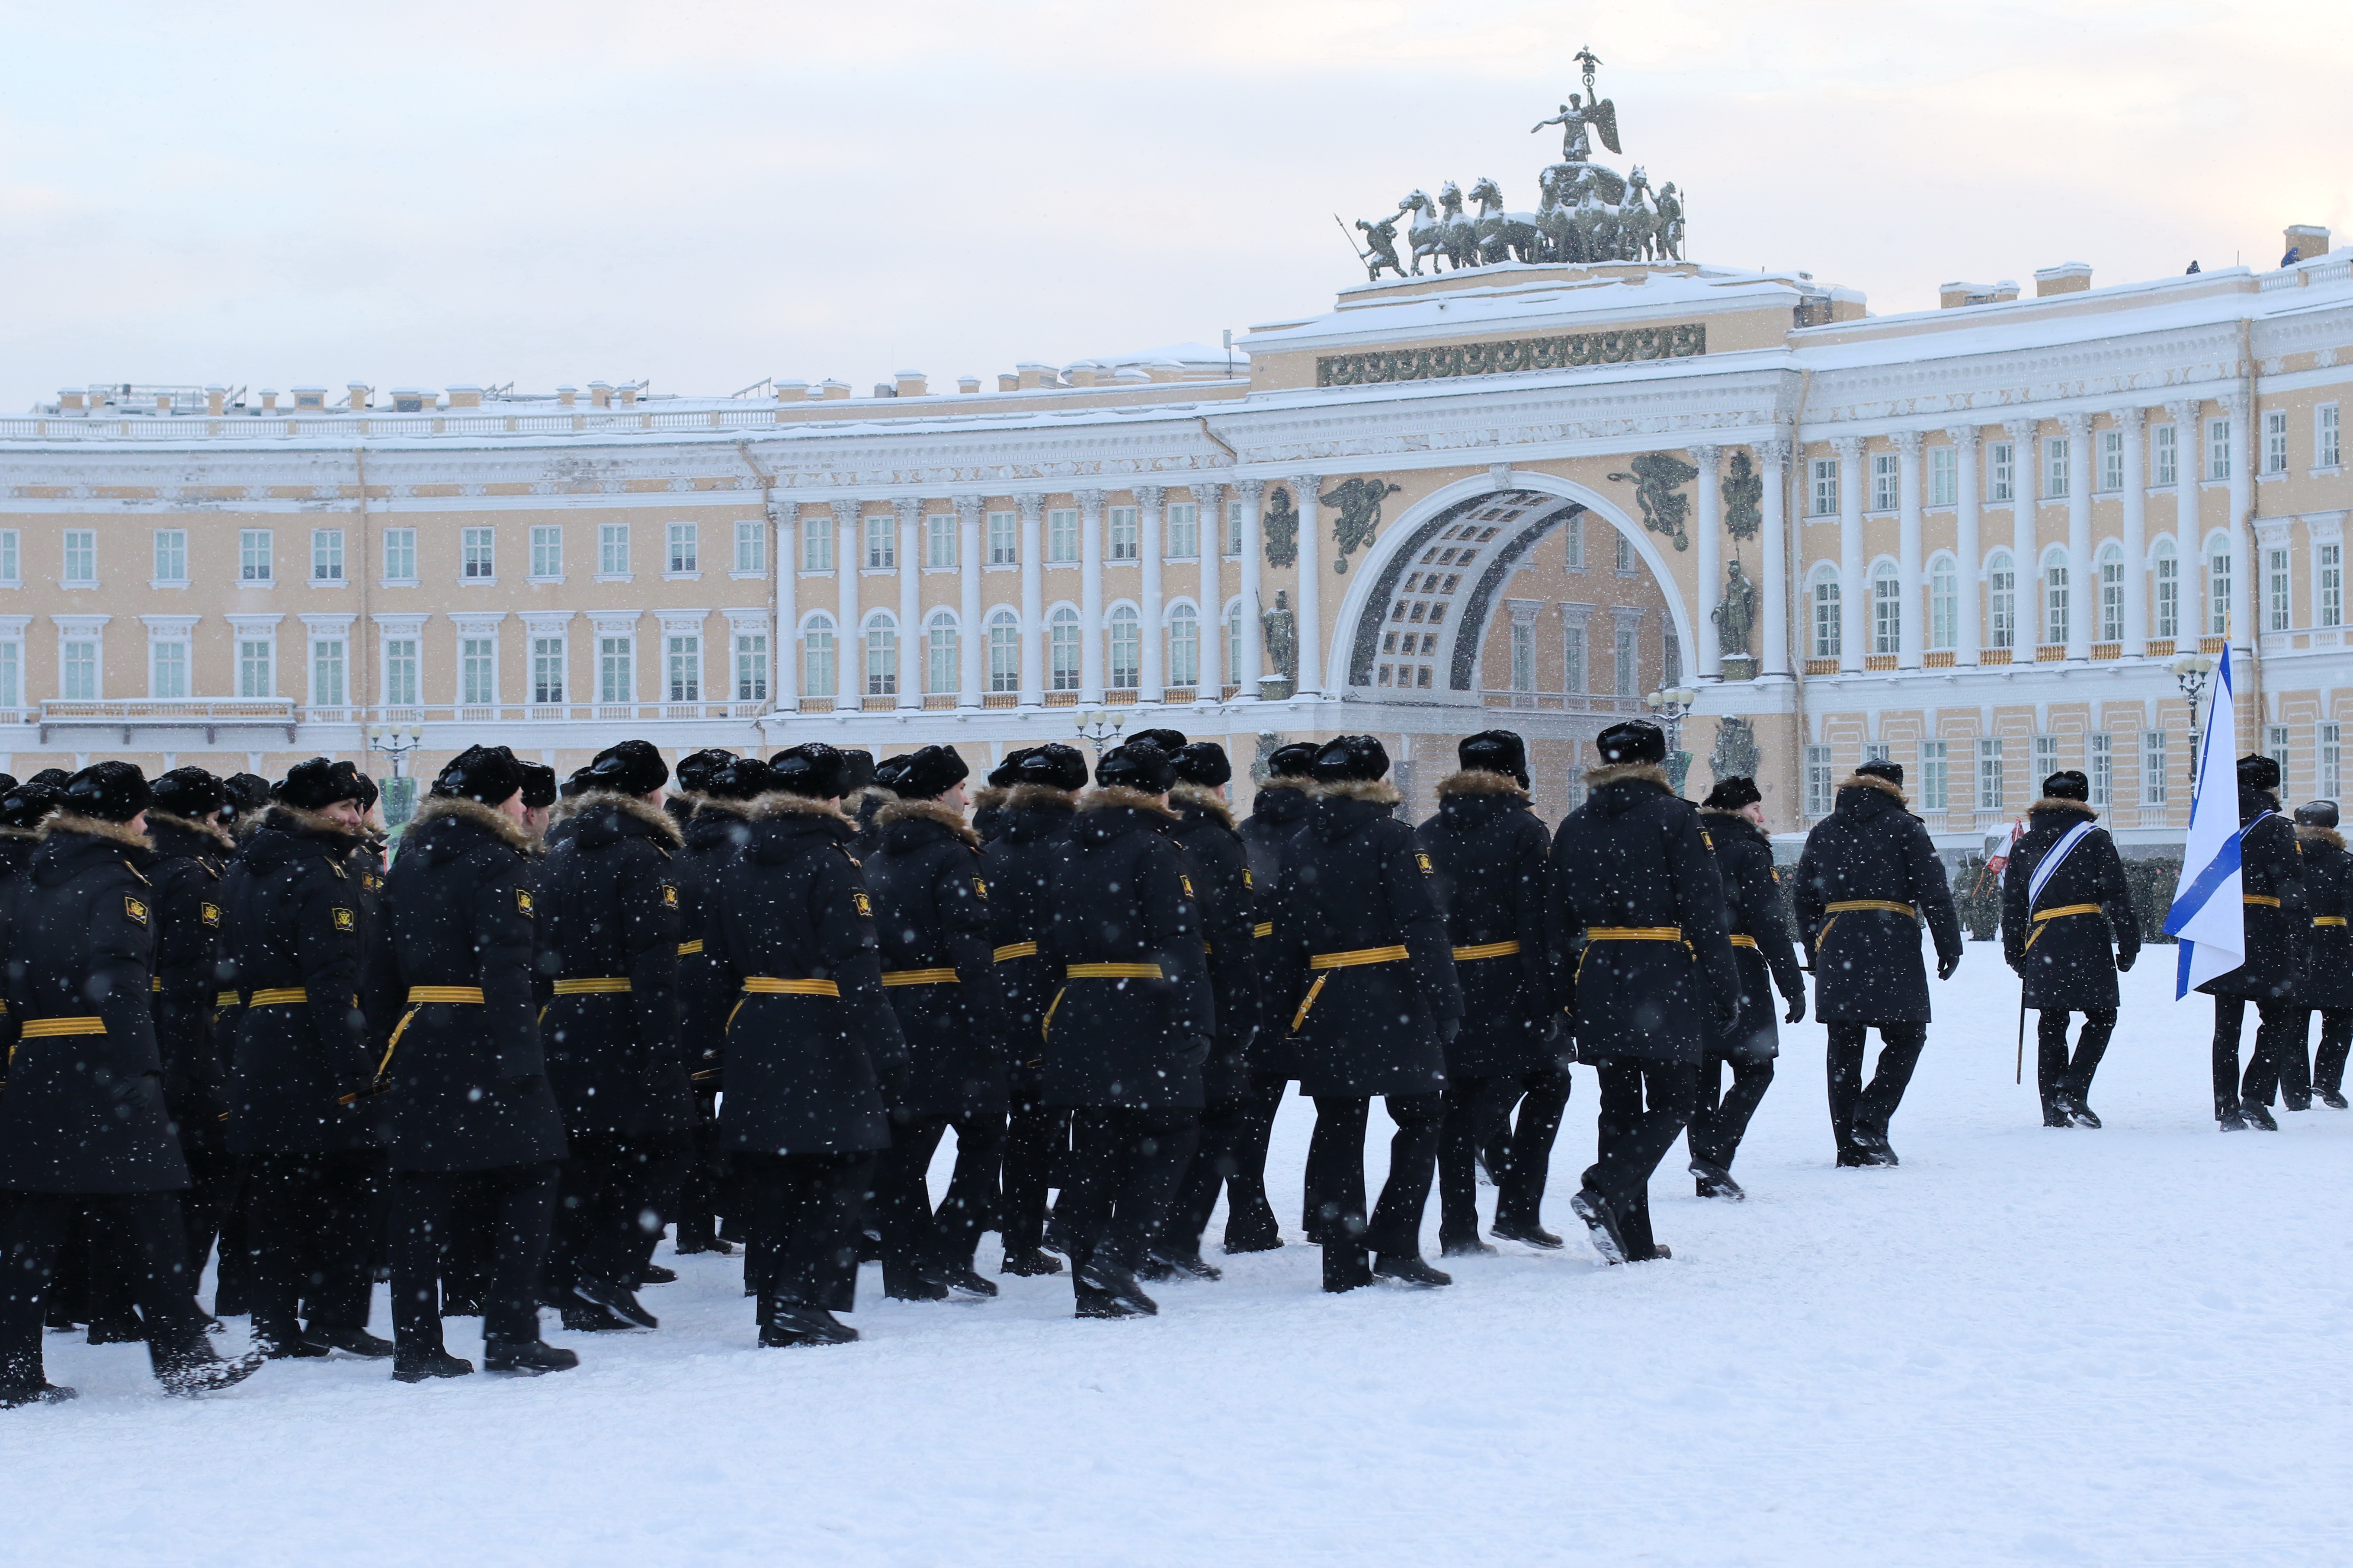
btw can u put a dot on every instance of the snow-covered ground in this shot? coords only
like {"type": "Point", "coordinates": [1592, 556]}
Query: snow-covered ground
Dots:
{"type": "Point", "coordinates": [2116, 1347]}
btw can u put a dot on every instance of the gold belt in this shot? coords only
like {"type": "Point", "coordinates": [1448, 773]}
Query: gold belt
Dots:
{"type": "Point", "coordinates": [42, 1028]}
{"type": "Point", "coordinates": [1486, 949]}
{"type": "Point", "coordinates": [1849, 906]}
{"type": "Point", "coordinates": [2263, 899]}
{"type": "Point", "coordinates": [1113, 971]}
{"type": "Point", "coordinates": [775, 986]}
{"type": "Point", "coordinates": [228, 999]}
{"type": "Point", "coordinates": [2328, 919]}
{"type": "Point", "coordinates": [690, 948]}
{"type": "Point", "coordinates": [1354, 958]}
{"type": "Point", "coordinates": [154, 982]}
{"type": "Point", "coordinates": [280, 996]}
{"type": "Point", "coordinates": [943, 976]}
{"type": "Point", "coordinates": [1015, 950]}
{"type": "Point", "coordinates": [1740, 940]}
{"type": "Point", "coordinates": [2062, 912]}
{"type": "Point", "coordinates": [1625, 933]}
{"type": "Point", "coordinates": [1263, 928]}
{"type": "Point", "coordinates": [418, 995]}
{"type": "Point", "coordinates": [594, 985]}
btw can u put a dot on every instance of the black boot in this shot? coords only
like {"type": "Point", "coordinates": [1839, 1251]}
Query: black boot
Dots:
{"type": "Point", "coordinates": [963, 1283]}
{"type": "Point", "coordinates": [1524, 1230]}
{"type": "Point", "coordinates": [1346, 1267]}
{"type": "Point", "coordinates": [1183, 1265]}
{"type": "Point", "coordinates": [289, 1346]}
{"type": "Point", "coordinates": [1099, 1273]}
{"type": "Point", "coordinates": [1030, 1262]}
{"type": "Point", "coordinates": [617, 1299]}
{"type": "Point", "coordinates": [1462, 1246]}
{"type": "Point", "coordinates": [126, 1329]}
{"type": "Point", "coordinates": [2256, 1112]}
{"type": "Point", "coordinates": [2081, 1114]}
{"type": "Point", "coordinates": [199, 1371]}
{"type": "Point", "coordinates": [1266, 1242]}
{"type": "Point", "coordinates": [1409, 1268]}
{"type": "Point", "coordinates": [2333, 1098]}
{"type": "Point", "coordinates": [787, 1323]}
{"type": "Point", "coordinates": [416, 1364]}
{"type": "Point", "coordinates": [42, 1391]}
{"type": "Point", "coordinates": [527, 1358]}
{"type": "Point", "coordinates": [350, 1341]}
{"type": "Point", "coordinates": [1094, 1303]}
{"type": "Point", "coordinates": [655, 1274]}
{"type": "Point", "coordinates": [1715, 1182]}
{"type": "Point", "coordinates": [1601, 1224]}
{"type": "Point", "coordinates": [2227, 1118]}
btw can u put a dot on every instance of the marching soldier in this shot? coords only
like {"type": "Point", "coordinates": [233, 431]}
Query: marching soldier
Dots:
{"type": "Point", "coordinates": [299, 1115]}
{"type": "Point", "coordinates": [84, 1124]}
{"type": "Point", "coordinates": [192, 851]}
{"type": "Point", "coordinates": [1868, 877]}
{"type": "Point", "coordinates": [988, 801]}
{"type": "Point", "coordinates": [1635, 881]}
{"type": "Point", "coordinates": [1278, 812]}
{"type": "Point", "coordinates": [2328, 986]}
{"type": "Point", "coordinates": [1128, 1028]}
{"type": "Point", "coordinates": [1488, 853]}
{"type": "Point", "coordinates": [1361, 977]}
{"type": "Point", "coordinates": [609, 917]}
{"type": "Point", "coordinates": [1034, 821]}
{"type": "Point", "coordinates": [2271, 873]}
{"type": "Point", "coordinates": [1766, 955]}
{"type": "Point", "coordinates": [539, 796]}
{"type": "Point", "coordinates": [711, 822]}
{"type": "Point", "coordinates": [2068, 928]}
{"type": "Point", "coordinates": [450, 992]}
{"type": "Point", "coordinates": [930, 910]}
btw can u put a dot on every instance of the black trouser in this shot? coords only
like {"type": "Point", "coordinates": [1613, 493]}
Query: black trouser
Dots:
{"type": "Point", "coordinates": [610, 1200]}
{"type": "Point", "coordinates": [215, 1176]}
{"type": "Point", "coordinates": [2279, 1054]}
{"type": "Point", "coordinates": [1124, 1169]}
{"type": "Point", "coordinates": [918, 1243]}
{"type": "Point", "coordinates": [522, 1200]}
{"type": "Point", "coordinates": [2336, 1041]}
{"type": "Point", "coordinates": [699, 1186]}
{"type": "Point", "coordinates": [1037, 1135]}
{"type": "Point", "coordinates": [1336, 1171]}
{"type": "Point", "coordinates": [2066, 1082]}
{"type": "Point", "coordinates": [33, 1226]}
{"type": "Point", "coordinates": [310, 1218]}
{"type": "Point", "coordinates": [1474, 1106]}
{"type": "Point", "coordinates": [1861, 1112]}
{"type": "Point", "coordinates": [1217, 1160]}
{"type": "Point", "coordinates": [803, 1211]}
{"type": "Point", "coordinates": [1250, 1217]}
{"type": "Point", "coordinates": [1645, 1105]}
{"type": "Point", "coordinates": [1519, 1150]}
{"type": "Point", "coordinates": [233, 1281]}
{"type": "Point", "coordinates": [1720, 1120]}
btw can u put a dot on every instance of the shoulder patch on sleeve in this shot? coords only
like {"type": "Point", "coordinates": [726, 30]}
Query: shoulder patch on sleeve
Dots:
{"type": "Point", "coordinates": [668, 895]}
{"type": "Point", "coordinates": [863, 905]}
{"type": "Point", "coordinates": [1703, 839]}
{"type": "Point", "coordinates": [1421, 858]}
{"type": "Point", "coordinates": [210, 914]}
{"type": "Point", "coordinates": [344, 919]}
{"type": "Point", "coordinates": [1248, 881]}
{"type": "Point", "coordinates": [522, 902]}
{"type": "Point", "coordinates": [134, 910]}
{"type": "Point", "coordinates": [980, 888]}
{"type": "Point", "coordinates": [1186, 882]}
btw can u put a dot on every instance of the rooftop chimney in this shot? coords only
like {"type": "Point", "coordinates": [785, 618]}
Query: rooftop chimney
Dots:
{"type": "Point", "coordinates": [568, 396]}
{"type": "Point", "coordinates": [358, 394]}
{"type": "Point", "coordinates": [412, 399]}
{"type": "Point", "coordinates": [910, 384]}
{"type": "Point", "coordinates": [72, 398]}
{"type": "Point", "coordinates": [216, 400]}
{"type": "Point", "coordinates": [792, 392]}
{"type": "Point", "coordinates": [600, 394]}
{"type": "Point", "coordinates": [2308, 240]}
{"type": "Point", "coordinates": [2067, 278]}
{"type": "Point", "coordinates": [465, 397]}
{"type": "Point", "coordinates": [629, 395]}
{"type": "Point", "coordinates": [308, 397]}
{"type": "Point", "coordinates": [270, 400]}
{"type": "Point", "coordinates": [830, 389]}
{"type": "Point", "coordinates": [1952, 296]}
{"type": "Point", "coordinates": [1033, 374]}
{"type": "Point", "coordinates": [1007, 382]}
{"type": "Point", "coordinates": [967, 383]}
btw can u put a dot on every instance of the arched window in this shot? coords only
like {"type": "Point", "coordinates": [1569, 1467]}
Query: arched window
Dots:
{"type": "Point", "coordinates": [1234, 642]}
{"type": "Point", "coordinates": [881, 655]}
{"type": "Point", "coordinates": [1062, 648]}
{"type": "Point", "coordinates": [1184, 647]}
{"type": "Point", "coordinates": [2054, 596]}
{"type": "Point", "coordinates": [2218, 585]}
{"type": "Point", "coordinates": [1126, 650]}
{"type": "Point", "coordinates": [2166, 564]}
{"type": "Point", "coordinates": [1944, 602]}
{"type": "Point", "coordinates": [2001, 601]}
{"type": "Point", "coordinates": [942, 675]}
{"type": "Point", "coordinates": [1004, 652]}
{"type": "Point", "coordinates": [2112, 593]}
{"type": "Point", "coordinates": [819, 676]}
{"type": "Point", "coordinates": [1886, 609]}
{"type": "Point", "coordinates": [1827, 637]}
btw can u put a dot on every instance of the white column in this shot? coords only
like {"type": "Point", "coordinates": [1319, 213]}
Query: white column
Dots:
{"type": "Point", "coordinates": [2244, 627]}
{"type": "Point", "coordinates": [2025, 538]}
{"type": "Point", "coordinates": [1090, 604]}
{"type": "Point", "coordinates": [784, 661]}
{"type": "Point", "coordinates": [1252, 493]}
{"type": "Point", "coordinates": [848, 653]}
{"type": "Point", "coordinates": [1710, 566]}
{"type": "Point", "coordinates": [1969, 633]}
{"type": "Point", "coordinates": [2129, 423]}
{"type": "Point", "coordinates": [1152, 670]}
{"type": "Point", "coordinates": [1909, 638]}
{"type": "Point", "coordinates": [1033, 602]}
{"type": "Point", "coordinates": [2188, 532]}
{"type": "Point", "coordinates": [1854, 587]}
{"type": "Point", "coordinates": [1773, 456]}
{"type": "Point", "coordinates": [912, 650]}
{"type": "Point", "coordinates": [972, 669]}
{"type": "Point", "coordinates": [1311, 584]}
{"type": "Point", "coordinates": [2083, 571]}
{"type": "Point", "coordinates": [1208, 591]}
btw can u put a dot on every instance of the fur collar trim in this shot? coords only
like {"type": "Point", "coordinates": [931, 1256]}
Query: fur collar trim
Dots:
{"type": "Point", "coordinates": [1479, 781]}
{"type": "Point", "coordinates": [1040, 797]}
{"type": "Point", "coordinates": [927, 811]}
{"type": "Point", "coordinates": [212, 830]}
{"type": "Point", "coordinates": [30, 832]}
{"type": "Point", "coordinates": [712, 806]}
{"type": "Point", "coordinates": [294, 818]}
{"type": "Point", "coordinates": [2312, 833]}
{"type": "Point", "coordinates": [779, 804]}
{"type": "Point", "coordinates": [1381, 791]}
{"type": "Point", "coordinates": [1616, 772]}
{"type": "Point", "coordinates": [1102, 797]}
{"type": "Point", "coordinates": [874, 795]}
{"type": "Point", "coordinates": [988, 797]}
{"type": "Point", "coordinates": [629, 806]}
{"type": "Point", "coordinates": [489, 818]}
{"type": "Point", "coordinates": [1872, 780]}
{"type": "Point", "coordinates": [1200, 798]}
{"type": "Point", "coordinates": [95, 828]}
{"type": "Point", "coordinates": [2052, 803]}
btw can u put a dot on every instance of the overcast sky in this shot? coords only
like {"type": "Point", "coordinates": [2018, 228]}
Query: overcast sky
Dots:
{"type": "Point", "coordinates": [706, 193]}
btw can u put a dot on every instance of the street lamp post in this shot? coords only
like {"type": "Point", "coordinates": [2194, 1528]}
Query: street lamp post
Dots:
{"type": "Point", "coordinates": [1097, 727]}
{"type": "Point", "coordinates": [1671, 705]}
{"type": "Point", "coordinates": [2190, 671]}
{"type": "Point", "coordinates": [396, 741]}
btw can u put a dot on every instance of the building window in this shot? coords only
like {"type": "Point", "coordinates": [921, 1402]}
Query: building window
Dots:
{"type": "Point", "coordinates": [2328, 743]}
{"type": "Point", "coordinates": [817, 676]}
{"type": "Point", "coordinates": [1572, 531]}
{"type": "Point", "coordinates": [1625, 556]}
{"type": "Point", "coordinates": [2055, 467]}
{"type": "Point", "coordinates": [817, 547]}
{"type": "Point", "coordinates": [1886, 482]}
{"type": "Point", "coordinates": [1234, 643]}
{"type": "Point", "coordinates": [1062, 648]}
{"type": "Point", "coordinates": [1935, 778]}
{"type": "Point", "coordinates": [1989, 774]}
{"type": "Point", "coordinates": [12, 674]}
{"type": "Point", "coordinates": [1943, 475]}
{"type": "Point", "coordinates": [10, 565]}
{"type": "Point", "coordinates": [547, 669]}
{"type": "Point", "coordinates": [616, 670]}
{"type": "Point", "coordinates": [1825, 490]}
{"type": "Point", "coordinates": [1629, 677]}
{"type": "Point", "coordinates": [171, 555]}
{"type": "Point", "coordinates": [1126, 649]}
{"type": "Point", "coordinates": [1236, 519]}
{"type": "Point", "coordinates": [682, 654]}
{"type": "Point", "coordinates": [2329, 585]}
{"type": "Point", "coordinates": [1125, 531]}
{"type": "Point", "coordinates": [1004, 539]}
{"type": "Point", "coordinates": [400, 672]}
{"type": "Point", "coordinates": [751, 666]}
{"type": "Point", "coordinates": [2218, 591]}
{"type": "Point", "coordinates": [2152, 767]}
{"type": "Point", "coordinates": [2278, 614]}
{"type": "Point", "coordinates": [167, 669]}
{"type": "Point", "coordinates": [2218, 448]}
{"type": "Point", "coordinates": [327, 684]}
{"type": "Point", "coordinates": [940, 541]}
{"type": "Point", "coordinates": [254, 676]}
{"type": "Point", "coordinates": [751, 546]}
{"type": "Point", "coordinates": [2168, 590]}
{"type": "Point", "coordinates": [253, 556]}
{"type": "Point", "coordinates": [2104, 768]}
{"type": "Point", "coordinates": [326, 556]}
{"type": "Point", "coordinates": [78, 670]}
{"type": "Point", "coordinates": [2055, 599]}
{"type": "Point", "coordinates": [2112, 595]}
{"type": "Point", "coordinates": [547, 551]}
{"type": "Point", "coordinates": [82, 557]}
{"type": "Point", "coordinates": [2001, 601]}
{"type": "Point", "coordinates": [2001, 471]}
{"type": "Point", "coordinates": [1820, 794]}
{"type": "Point", "coordinates": [2275, 441]}
{"type": "Point", "coordinates": [1061, 536]}
{"type": "Point", "coordinates": [2328, 437]}
{"type": "Point", "coordinates": [2275, 737]}
{"type": "Point", "coordinates": [2165, 444]}
{"type": "Point", "coordinates": [1944, 604]}
{"type": "Point", "coordinates": [1184, 531]}
{"type": "Point", "coordinates": [613, 549]}
{"type": "Point", "coordinates": [881, 656]}
{"type": "Point", "coordinates": [480, 545]}
{"type": "Point", "coordinates": [2112, 459]}
{"type": "Point", "coordinates": [882, 542]}
{"type": "Point", "coordinates": [2046, 759]}
{"type": "Point", "coordinates": [1827, 635]}
{"type": "Point", "coordinates": [1886, 610]}
{"type": "Point", "coordinates": [941, 674]}
{"type": "Point", "coordinates": [400, 555]}
{"type": "Point", "coordinates": [1523, 657]}
{"type": "Point", "coordinates": [1004, 652]}
{"type": "Point", "coordinates": [1184, 647]}
{"type": "Point", "coordinates": [1670, 655]}
{"type": "Point", "coordinates": [1573, 674]}
{"type": "Point", "coordinates": [685, 547]}
{"type": "Point", "coordinates": [478, 670]}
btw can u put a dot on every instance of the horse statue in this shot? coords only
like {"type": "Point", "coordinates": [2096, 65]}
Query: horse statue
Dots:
{"type": "Point", "coordinates": [1636, 218]}
{"type": "Point", "coordinates": [1461, 234]}
{"type": "Point", "coordinates": [1557, 216]}
{"type": "Point", "coordinates": [1503, 235]}
{"type": "Point", "coordinates": [1427, 234]}
{"type": "Point", "coordinates": [1382, 238]}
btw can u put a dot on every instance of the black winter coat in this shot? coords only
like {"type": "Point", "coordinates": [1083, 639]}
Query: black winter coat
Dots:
{"type": "Point", "coordinates": [189, 863]}
{"type": "Point", "coordinates": [1017, 865]}
{"type": "Point", "coordinates": [803, 1071]}
{"type": "Point", "coordinates": [1867, 965]}
{"type": "Point", "coordinates": [988, 806]}
{"type": "Point", "coordinates": [302, 1068]}
{"type": "Point", "coordinates": [2271, 881]}
{"type": "Point", "coordinates": [1489, 854]}
{"type": "Point", "coordinates": [1225, 891]}
{"type": "Point", "coordinates": [864, 806]}
{"type": "Point", "coordinates": [1353, 883]}
{"type": "Point", "coordinates": [1278, 815]}
{"type": "Point", "coordinates": [2328, 895]}
{"type": "Point", "coordinates": [1119, 896]}
{"type": "Point", "coordinates": [714, 835]}
{"type": "Point", "coordinates": [467, 1085]}
{"type": "Point", "coordinates": [1634, 857]}
{"type": "Point", "coordinates": [1752, 892]}
{"type": "Point", "coordinates": [2067, 963]}
{"type": "Point", "coordinates": [83, 1112]}
{"type": "Point", "coordinates": [931, 914]}
{"type": "Point", "coordinates": [610, 910]}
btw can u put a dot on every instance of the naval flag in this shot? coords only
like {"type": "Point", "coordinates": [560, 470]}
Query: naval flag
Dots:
{"type": "Point", "coordinates": [2207, 914]}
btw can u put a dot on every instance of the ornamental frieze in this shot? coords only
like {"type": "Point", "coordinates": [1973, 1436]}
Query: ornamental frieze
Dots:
{"type": "Point", "coordinates": [1683, 340]}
